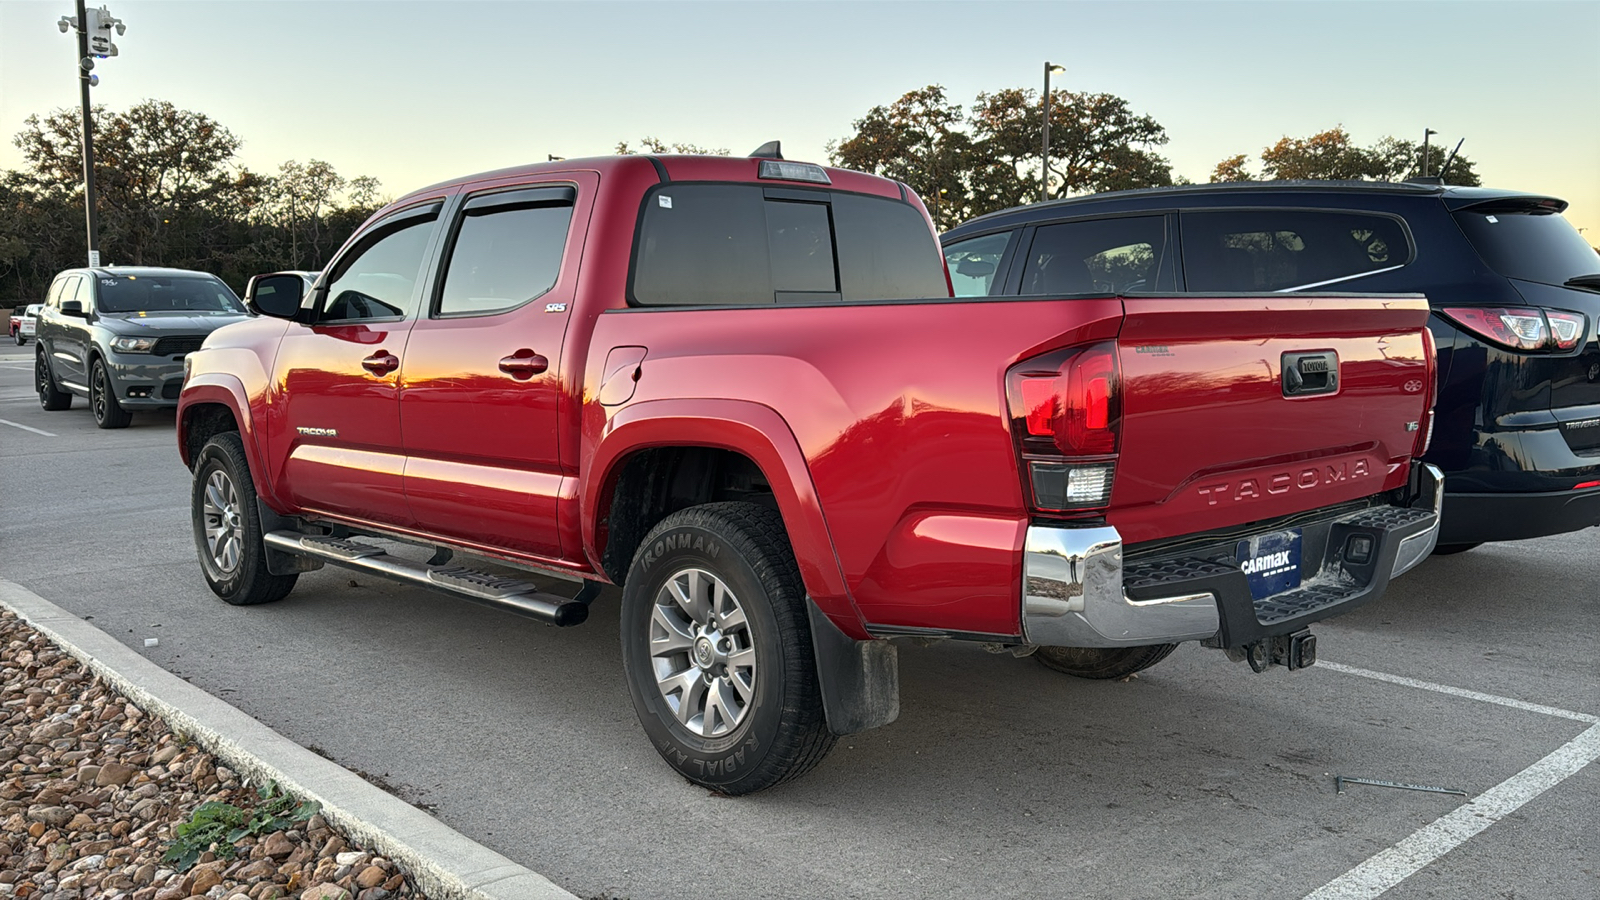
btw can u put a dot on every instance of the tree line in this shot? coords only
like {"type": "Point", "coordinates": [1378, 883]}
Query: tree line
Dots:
{"type": "Point", "coordinates": [171, 191]}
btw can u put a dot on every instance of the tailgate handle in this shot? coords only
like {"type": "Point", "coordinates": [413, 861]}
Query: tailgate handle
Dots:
{"type": "Point", "coordinates": [1307, 374]}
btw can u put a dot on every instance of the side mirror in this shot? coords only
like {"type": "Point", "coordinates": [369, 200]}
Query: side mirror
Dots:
{"type": "Point", "coordinates": [278, 296]}
{"type": "Point", "coordinates": [73, 308]}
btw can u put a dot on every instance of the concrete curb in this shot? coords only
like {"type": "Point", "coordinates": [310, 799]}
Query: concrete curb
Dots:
{"type": "Point", "coordinates": [446, 864]}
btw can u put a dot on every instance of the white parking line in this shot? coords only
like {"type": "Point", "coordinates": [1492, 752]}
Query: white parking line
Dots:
{"type": "Point", "coordinates": [1453, 829]}
{"type": "Point", "coordinates": [1459, 692]}
{"type": "Point", "coordinates": [25, 427]}
{"type": "Point", "coordinates": [1388, 868]}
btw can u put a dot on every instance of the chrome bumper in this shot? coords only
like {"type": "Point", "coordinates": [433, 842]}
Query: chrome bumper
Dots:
{"type": "Point", "coordinates": [1072, 587]}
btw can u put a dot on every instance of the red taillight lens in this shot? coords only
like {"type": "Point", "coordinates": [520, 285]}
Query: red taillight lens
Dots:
{"type": "Point", "coordinates": [1065, 413]}
{"type": "Point", "coordinates": [1527, 330]}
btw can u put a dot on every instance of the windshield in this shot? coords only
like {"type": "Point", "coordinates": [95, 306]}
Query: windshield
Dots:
{"type": "Point", "coordinates": [1530, 247]}
{"type": "Point", "coordinates": [166, 293]}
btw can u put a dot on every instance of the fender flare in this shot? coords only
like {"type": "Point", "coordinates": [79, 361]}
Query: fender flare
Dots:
{"type": "Point", "coordinates": [227, 391]}
{"type": "Point", "coordinates": [741, 426]}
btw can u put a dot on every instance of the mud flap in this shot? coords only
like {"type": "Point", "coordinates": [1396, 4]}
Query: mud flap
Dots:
{"type": "Point", "coordinates": [278, 562]}
{"type": "Point", "coordinates": [860, 680]}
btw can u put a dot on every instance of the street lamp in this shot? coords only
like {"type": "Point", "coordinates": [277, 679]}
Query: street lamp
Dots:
{"type": "Point", "coordinates": [94, 27]}
{"type": "Point", "coordinates": [1426, 133]}
{"type": "Point", "coordinates": [1044, 172]}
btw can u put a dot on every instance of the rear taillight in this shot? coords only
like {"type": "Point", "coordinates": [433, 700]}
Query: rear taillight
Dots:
{"type": "Point", "coordinates": [1430, 394]}
{"type": "Point", "coordinates": [1528, 330]}
{"type": "Point", "coordinates": [1065, 412]}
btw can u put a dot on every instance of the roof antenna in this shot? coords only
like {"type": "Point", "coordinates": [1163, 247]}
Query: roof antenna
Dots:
{"type": "Point", "coordinates": [1452, 158]}
{"type": "Point", "coordinates": [769, 150]}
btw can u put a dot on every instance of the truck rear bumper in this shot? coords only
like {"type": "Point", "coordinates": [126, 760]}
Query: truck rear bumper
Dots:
{"type": "Point", "coordinates": [1079, 591]}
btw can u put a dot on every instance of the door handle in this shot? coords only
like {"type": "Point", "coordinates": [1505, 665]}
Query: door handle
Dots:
{"type": "Point", "coordinates": [523, 364]}
{"type": "Point", "coordinates": [381, 363]}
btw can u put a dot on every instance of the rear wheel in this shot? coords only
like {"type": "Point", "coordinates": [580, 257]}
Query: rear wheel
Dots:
{"type": "Point", "coordinates": [20, 339]}
{"type": "Point", "coordinates": [716, 649]}
{"type": "Point", "coordinates": [51, 398]}
{"type": "Point", "coordinates": [227, 531]}
{"type": "Point", "coordinates": [1103, 662]}
{"type": "Point", "coordinates": [1450, 549]}
{"type": "Point", "coordinates": [108, 413]}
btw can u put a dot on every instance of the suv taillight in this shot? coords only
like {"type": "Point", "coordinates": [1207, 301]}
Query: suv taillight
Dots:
{"type": "Point", "coordinates": [1430, 387]}
{"type": "Point", "coordinates": [1527, 330]}
{"type": "Point", "coordinates": [1065, 412]}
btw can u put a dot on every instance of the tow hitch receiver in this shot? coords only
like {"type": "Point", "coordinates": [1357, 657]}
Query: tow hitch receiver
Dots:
{"type": "Point", "coordinates": [1292, 651]}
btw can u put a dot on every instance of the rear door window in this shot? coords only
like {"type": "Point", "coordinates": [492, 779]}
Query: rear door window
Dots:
{"type": "Point", "coordinates": [753, 245]}
{"type": "Point", "coordinates": [507, 250]}
{"type": "Point", "coordinates": [974, 263]}
{"type": "Point", "coordinates": [1529, 244]}
{"type": "Point", "coordinates": [1095, 256]}
{"type": "Point", "coordinates": [1287, 249]}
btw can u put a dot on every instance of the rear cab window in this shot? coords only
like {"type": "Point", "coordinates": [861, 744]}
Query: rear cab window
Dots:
{"type": "Point", "coordinates": [705, 244]}
{"type": "Point", "coordinates": [1287, 249]}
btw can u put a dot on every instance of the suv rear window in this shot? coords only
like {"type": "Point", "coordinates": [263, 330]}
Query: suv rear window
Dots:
{"type": "Point", "coordinates": [754, 245]}
{"type": "Point", "coordinates": [1530, 246]}
{"type": "Point", "coordinates": [1287, 249]}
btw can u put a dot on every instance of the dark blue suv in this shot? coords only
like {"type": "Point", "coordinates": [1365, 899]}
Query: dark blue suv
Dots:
{"type": "Point", "coordinates": [1514, 288]}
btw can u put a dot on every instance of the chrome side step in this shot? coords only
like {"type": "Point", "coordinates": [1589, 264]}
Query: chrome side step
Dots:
{"type": "Point", "coordinates": [486, 588]}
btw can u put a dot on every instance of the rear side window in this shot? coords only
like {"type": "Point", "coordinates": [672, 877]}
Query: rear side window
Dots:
{"type": "Point", "coordinates": [751, 245]}
{"type": "Point", "coordinates": [973, 263]}
{"type": "Point", "coordinates": [1287, 249]}
{"type": "Point", "coordinates": [1531, 246]}
{"type": "Point", "coordinates": [507, 251]}
{"type": "Point", "coordinates": [1099, 256]}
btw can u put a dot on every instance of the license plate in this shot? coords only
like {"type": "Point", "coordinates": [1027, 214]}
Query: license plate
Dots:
{"type": "Point", "coordinates": [1271, 562]}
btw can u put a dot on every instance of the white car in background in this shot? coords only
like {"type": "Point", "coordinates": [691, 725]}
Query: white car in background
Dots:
{"type": "Point", "coordinates": [25, 323]}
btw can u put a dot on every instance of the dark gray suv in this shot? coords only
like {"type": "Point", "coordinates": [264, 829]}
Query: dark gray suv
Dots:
{"type": "Point", "coordinates": [118, 335]}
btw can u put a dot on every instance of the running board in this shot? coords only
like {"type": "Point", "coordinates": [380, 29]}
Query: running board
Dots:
{"type": "Point", "coordinates": [489, 589]}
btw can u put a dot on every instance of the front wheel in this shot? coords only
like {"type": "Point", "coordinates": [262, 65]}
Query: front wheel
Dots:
{"type": "Point", "coordinates": [20, 339]}
{"type": "Point", "coordinates": [1103, 662]}
{"type": "Point", "coordinates": [716, 649]}
{"type": "Point", "coordinates": [227, 531]}
{"type": "Point", "coordinates": [108, 413]}
{"type": "Point", "coordinates": [51, 398]}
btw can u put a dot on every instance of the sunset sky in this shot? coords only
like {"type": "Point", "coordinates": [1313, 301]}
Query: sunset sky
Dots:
{"type": "Point", "coordinates": [414, 93]}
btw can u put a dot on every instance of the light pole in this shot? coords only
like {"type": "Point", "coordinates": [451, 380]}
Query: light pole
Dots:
{"type": "Point", "coordinates": [1044, 156]}
{"type": "Point", "coordinates": [1426, 133]}
{"type": "Point", "coordinates": [94, 40]}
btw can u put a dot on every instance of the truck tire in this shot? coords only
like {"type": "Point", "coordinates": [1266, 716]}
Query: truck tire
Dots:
{"type": "Point", "coordinates": [1103, 662]}
{"type": "Point", "coordinates": [108, 413]}
{"type": "Point", "coordinates": [716, 649]}
{"type": "Point", "coordinates": [51, 398]}
{"type": "Point", "coordinates": [1452, 549]}
{"type": "Point", "coordinates": [227, 530]}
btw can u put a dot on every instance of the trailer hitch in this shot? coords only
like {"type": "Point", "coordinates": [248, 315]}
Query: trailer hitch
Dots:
{"type": "Point", "coordinates": [1292, 651]}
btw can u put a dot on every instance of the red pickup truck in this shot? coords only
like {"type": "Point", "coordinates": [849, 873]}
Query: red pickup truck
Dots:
{"type": "Point", "coordinates": [740, 389]}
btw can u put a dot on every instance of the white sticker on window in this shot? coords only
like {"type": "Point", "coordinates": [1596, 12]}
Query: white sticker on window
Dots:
{"type": "Point", "coordinates": [1491, 218]}
{"type": "Point", "coordinates": [664, 200]}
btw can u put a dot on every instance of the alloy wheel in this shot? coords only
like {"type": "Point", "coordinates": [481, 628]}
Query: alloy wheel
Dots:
{"type": "Point", "coordinates": [703, 653]}
{"type": "Point", "coordinates": [224, 525]}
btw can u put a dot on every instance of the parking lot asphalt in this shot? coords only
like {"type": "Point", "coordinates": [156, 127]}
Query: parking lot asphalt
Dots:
{"type": "Point", "coordinates": [1196, 779]}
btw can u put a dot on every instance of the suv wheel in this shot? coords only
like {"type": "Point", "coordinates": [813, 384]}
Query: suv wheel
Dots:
{"type": "Point", "coordinates": [51, 398]}
{"type": "Point", "coordinates": [1103, 662]}
{"type": "Point", "coordinates": [108, 413]}
{"type": "Point", "coordinates": [227, 531]}
{"type": "Point", "coordinates": [716, 649]}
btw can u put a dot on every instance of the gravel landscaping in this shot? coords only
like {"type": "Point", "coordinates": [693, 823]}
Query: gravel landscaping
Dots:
{"type": "Point", "coordinates": [94, 791]}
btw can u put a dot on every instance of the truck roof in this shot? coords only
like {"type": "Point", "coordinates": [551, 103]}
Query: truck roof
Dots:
{"type": "Point", "coordinates": [675, 167]}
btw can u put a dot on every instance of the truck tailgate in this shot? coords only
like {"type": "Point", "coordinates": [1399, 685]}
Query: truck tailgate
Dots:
{"type": "Point", "coordinates": [1214, 435]}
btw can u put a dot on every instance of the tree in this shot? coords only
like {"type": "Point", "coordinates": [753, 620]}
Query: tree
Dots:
{"type": "Point", "coordinates": [1333, 155]}
{"type": "Point", "coordinates": [992, 159]}
{"type": "Point", "coordinates": [656, 145]}
{"type": "Point", "coordinates": [914, 140]}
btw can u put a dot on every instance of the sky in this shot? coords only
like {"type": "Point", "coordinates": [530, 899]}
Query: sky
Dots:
{"type": "Point", "coordinates": [415, 93]}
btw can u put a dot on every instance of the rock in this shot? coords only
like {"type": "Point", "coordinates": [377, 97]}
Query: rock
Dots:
{"type": "Point", "coordinates": [325, 892]}
{"type": "Point", "coordinates": [205, 878]}
{"type": "Point", "coordinates": [80, 822]}
{"type": "Point", "coordinates": [145, 874]}
{"type": "Point", "coordinates": [276, 845]}
{"type": "Point", "coordinates": [95, 848]}
{"type": "Point", "coordinates": [176, 892]}
{"type": "Point", "coordinates": [371, 877]}
{"type": "Point", "coordinates": [376, 893]}
{"type": "Point", "coordinates": [49, 731]}
{"type": "Point", "coordinates": [87, 774]}
{"type": "Point", "coordinates": [348, 859]}
{"type": "Point", "coordinates": [332, 848]}
{"type": "Point", "coordinates": [166, 754]}
{"type": "Point", "coordinates": [393, 884]}
{"type": "Point", "coordinates": [86, 863]}
{"type": "Point", "coordinates": [53, 816]}
{"type": "Point", "coordinates": [261, 868]}
{"type": "Point", "coordinates": [115, 773]}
